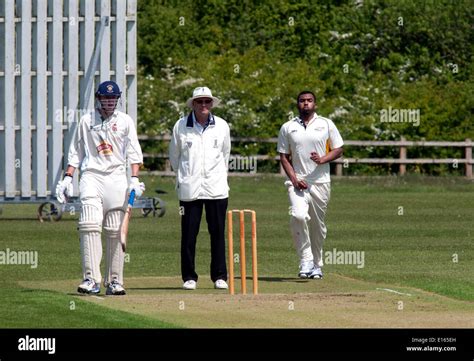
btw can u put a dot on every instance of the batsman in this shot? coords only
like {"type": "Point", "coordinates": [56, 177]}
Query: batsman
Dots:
{"type": "Point", "coordinates": [104, 141]}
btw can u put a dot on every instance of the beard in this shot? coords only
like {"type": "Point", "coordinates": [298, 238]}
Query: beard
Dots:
{"type": "Point", "coordinates": [306, 112]}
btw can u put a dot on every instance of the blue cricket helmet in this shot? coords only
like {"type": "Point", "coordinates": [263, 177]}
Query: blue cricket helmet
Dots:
{"type": "Point", "coordinates": [109, 88]}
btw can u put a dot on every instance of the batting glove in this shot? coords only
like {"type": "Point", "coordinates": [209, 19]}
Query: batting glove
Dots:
{"type": "Point", "coordinates": [64, 189]}
{"type": "Point", "coordinates": [136, 185]}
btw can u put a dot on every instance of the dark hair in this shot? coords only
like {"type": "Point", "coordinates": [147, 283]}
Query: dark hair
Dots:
{"type": "Point", "coordinates": [305, 92]}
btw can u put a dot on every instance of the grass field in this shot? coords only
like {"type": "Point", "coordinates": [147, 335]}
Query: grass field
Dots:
{"type": "Point", "coordinates": [415, 234]}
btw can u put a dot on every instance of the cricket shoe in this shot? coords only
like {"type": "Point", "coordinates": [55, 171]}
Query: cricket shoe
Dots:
{"type": "Point", "coordinates": [306, 269]}
{"type": "Point", "coordinates": [115, 289]}
{"type": "Point", "coordinates": [89, 287]}
{"type": "Point", "coordinates": [316, 273]}
{"type": "Point", "coordinates": [221, 285]}
{"type": "Point", "coordinates": [190, 285]}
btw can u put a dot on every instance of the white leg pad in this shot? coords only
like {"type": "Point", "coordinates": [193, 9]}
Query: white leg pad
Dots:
{"type": "Point", "coordinates": [115, 255]}
{"type": "Point", "coordinates": [90, 222]}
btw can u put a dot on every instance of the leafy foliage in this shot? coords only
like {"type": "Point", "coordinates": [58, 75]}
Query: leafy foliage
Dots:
{"type": "Point", "coordinates": [359, 57]}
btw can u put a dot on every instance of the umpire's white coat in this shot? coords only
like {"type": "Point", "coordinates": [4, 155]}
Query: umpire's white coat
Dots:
{"type": "Point", "coordinates": [200, 160]}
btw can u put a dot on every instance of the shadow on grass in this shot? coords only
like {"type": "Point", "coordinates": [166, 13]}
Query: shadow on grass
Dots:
{"type": "Point", "coordinates": [154, 288]}
{"type": "Point", "coordinates": [85, 294]}
{"type": "Point", "coordinates": [283, 279]}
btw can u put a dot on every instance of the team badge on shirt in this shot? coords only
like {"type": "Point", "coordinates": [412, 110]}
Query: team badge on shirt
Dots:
{"type": "Point", "coordinates": [114, 127]}
{"type": "Point", "coordinates": [189, 144]}
{"type": "Point", "coordinates": [104, 148]}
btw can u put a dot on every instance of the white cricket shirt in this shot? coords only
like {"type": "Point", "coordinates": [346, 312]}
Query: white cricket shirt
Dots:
{"type": "Point", "coordinates": [104, 145]}
{"type": "Point", "coordinates": [320, 135]}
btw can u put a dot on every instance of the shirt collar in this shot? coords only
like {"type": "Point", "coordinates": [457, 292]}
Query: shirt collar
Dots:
{"type": "Point", "coordinates": [191, 119]}
{"type": "Point", "coordinates": [97, 122]}
{"type": "Point", "coordinates": [299, 120]}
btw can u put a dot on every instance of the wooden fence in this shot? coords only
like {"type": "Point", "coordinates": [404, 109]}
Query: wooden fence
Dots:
{"type": "Point", "coordinates": [343, 162]}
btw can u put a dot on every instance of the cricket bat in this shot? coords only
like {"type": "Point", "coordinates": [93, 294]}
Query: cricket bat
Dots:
{"type": "Point", "coordinates": [126, 220]}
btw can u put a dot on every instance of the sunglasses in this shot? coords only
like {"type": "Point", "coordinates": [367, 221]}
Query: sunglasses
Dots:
{"type": "Point", "coordinates": [204, 101]}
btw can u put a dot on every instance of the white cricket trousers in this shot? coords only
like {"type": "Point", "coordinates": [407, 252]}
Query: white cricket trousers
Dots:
{"type": "Point", "coordinates": [103, 201]}
{"type": "Point", "coordinates": [307, 211]}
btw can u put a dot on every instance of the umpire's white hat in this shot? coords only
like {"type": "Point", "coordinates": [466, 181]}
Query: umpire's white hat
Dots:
{"type": "Point", "coordinates": [202, 92]}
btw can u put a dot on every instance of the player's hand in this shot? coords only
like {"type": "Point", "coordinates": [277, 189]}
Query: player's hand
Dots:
{"type": "Point", "coordinates": [316, 158]}
{"type": "Point", "coordinates": [136, 185]}
{"type": "Point", "coordinates": [299, 184]}
{"type": "Point", "coordinates": [64, 189]}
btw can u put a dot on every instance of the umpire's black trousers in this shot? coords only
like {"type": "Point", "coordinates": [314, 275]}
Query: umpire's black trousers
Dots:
{"type": "Point", "coordinates": [191, 213]}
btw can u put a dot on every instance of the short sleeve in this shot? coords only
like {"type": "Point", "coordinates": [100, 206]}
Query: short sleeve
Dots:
{"type": "Point", "coordinates": [335, 138]}
{"type": "Point", "coordinates": [283, 144]}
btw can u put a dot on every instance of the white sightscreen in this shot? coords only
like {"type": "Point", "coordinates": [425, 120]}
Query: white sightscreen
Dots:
{"type": "Point", "coordinates": [53, 54]}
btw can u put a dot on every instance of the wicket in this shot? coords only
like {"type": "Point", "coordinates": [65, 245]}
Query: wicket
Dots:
{"type": "Point", "coordinates": [243, 273]}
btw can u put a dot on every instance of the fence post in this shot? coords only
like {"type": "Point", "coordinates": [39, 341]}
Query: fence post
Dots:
{"type": "Point", "coordinates": [338, 169]}
{"type": "Point", "coordinates": [403, 156]}
{"type": "Point", "coordinates": [468, 153]}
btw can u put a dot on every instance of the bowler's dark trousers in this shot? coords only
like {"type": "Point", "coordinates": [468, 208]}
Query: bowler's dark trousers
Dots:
{"type": "Point", "coordinates": [191, 213]}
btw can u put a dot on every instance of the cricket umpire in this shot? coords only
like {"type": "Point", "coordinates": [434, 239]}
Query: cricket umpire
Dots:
{"type": "Point", "coordinates": [306, 145]}
{"type": "Point", "coordinates": [104, 141]}
{"type": "Point", "coordinates": [199, 154]}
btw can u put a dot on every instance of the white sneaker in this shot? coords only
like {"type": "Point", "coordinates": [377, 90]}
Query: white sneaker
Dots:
{"type": "Point", "coordinates": [316, 273]}
{"type": "Point", "coordinates": [115, 289]}
{"type": "Point", "coordinates": [306, 268]}
{"type": "Point", "coordinates": [190, 285]}
{"type": "Point", "coordinates": [221, 285]}
{"type": "Point", "coordinates": [89, 287]}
